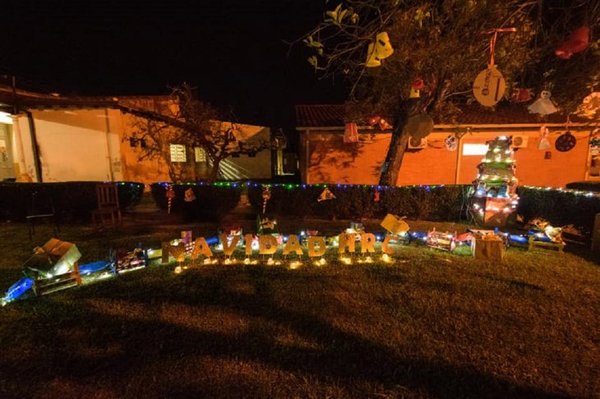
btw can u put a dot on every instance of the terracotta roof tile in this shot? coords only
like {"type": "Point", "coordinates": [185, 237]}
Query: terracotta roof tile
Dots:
{"type": "Point", "coordinates": [332, 115]}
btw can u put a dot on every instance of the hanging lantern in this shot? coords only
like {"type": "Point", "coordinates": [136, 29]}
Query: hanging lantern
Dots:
{"type": "Point", "coordinates": [351, 133]}
{"type": "Point", "coordinates": [543, 105]}
{"type": "Point", "coordinates": [378, 50]}
{"type": "Point", "coordinates": [578, 41]}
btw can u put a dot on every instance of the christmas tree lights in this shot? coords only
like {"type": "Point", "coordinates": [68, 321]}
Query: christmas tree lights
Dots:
{"type": "Point", "coordinates": [495, 189]}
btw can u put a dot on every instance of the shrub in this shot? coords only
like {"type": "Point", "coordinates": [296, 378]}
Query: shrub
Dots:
{"type": "Point", "coordinates": [559, 207]}
{"type": "Point", "coordinates": [73, 201]}
{"type": "Point", "coordinates": [212, 201]}
{"type": "Point", "coordinates": [585, 186]}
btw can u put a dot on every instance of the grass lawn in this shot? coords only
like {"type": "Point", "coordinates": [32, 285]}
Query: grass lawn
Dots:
{"type": "Point", "coordinates": [430, 325]}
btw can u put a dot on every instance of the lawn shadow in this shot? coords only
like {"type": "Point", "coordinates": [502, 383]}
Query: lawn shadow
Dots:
{"type": "Point", "coordinates": [337, 356]}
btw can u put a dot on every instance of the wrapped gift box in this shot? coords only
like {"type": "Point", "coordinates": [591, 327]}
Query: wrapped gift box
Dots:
{"type": "Point", "coordinates": [489, 247]}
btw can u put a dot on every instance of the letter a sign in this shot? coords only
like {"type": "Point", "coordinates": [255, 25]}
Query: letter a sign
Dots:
{"type": "Point", "coordinates": [489, 86]}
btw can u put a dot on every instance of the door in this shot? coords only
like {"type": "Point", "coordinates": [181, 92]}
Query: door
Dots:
{"type": "Point", "coordinates": [7, 167]}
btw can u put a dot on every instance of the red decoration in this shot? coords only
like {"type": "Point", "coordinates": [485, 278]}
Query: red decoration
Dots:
{"type": "Point", "coordinates": [577, 42]}
{"type": "Point", "coordinates": [520, 95]}
{"type": "Point", "coordinates": [376, 196]}
{"type": "Point", "coordinates": [170, 193]}
{"type": "Point", "coordinates": [351, 133]}
{"type": "Point", "coordinates": [418, 84]}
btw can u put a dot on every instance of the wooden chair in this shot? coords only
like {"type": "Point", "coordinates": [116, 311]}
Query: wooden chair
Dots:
{"type": "Point", "coordinates": [108, 205]}
{"type": "Point", "coordinates": [41, 209]}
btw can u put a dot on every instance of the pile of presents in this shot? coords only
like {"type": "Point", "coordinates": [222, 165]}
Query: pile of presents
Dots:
{"type": "Point", "coordinates": [482, 244]}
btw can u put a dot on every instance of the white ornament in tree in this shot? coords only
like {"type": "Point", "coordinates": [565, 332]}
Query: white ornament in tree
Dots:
{"type": "Point", "coordinates": [543, 105]}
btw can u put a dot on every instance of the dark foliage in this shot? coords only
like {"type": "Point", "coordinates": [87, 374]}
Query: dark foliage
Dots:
{"type": "Point", "coordinates": [73, 201]}
{"type": "Point", "coordinates": [212, 201]}
{"type": "Point", "coordinates": [559, 208]}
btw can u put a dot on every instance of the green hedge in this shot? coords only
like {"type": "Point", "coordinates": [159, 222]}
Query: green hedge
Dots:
{"type": "Point", "coordinates": [73, 201]}
{"type": "Point", "coordinates": [585, 186]}
{"type": "Point", "coordinates": [356, 201]}
{"type": "Point", "coordinates": [212, 201]}
{"type": "Point", "coordinates": [559, 207]}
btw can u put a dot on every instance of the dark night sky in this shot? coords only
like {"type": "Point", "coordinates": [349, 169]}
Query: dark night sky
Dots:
{"type": "Point", "coordinates": [233, 51]}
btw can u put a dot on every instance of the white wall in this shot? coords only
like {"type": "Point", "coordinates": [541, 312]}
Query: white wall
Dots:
{"type": "Point", "coordinates": [74, 145]}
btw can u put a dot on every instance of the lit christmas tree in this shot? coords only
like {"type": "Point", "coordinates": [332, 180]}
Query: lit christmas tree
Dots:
{"type": "Point", "coordinates": [495, 189]}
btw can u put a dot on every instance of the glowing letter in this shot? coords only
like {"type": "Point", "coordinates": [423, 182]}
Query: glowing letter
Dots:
{"type": "Point", "coordinates": [385, 246]}
{"type": "Point", "coordinates": [347, 241]}
{"type": "Point", "coordinates": [228, 249]}
{"type": "Point", "coordinates": [248, 244]}
{"type": "Point", "coordinates": [292, 245]}
{"type": "Point", "coordinates": [201, 248]}
{"type": "Point", "coordinates": [313, 243]}
{"type": "Point", "coordinates": [267, 245]}
{"type": "Point", "coordinates": [367, 242]}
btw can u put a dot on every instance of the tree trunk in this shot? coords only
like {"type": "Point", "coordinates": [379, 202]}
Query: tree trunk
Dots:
{"type": "Point", "coordinates": [214, 172]}
{"type": "Point", "coordinates": [393, 160]}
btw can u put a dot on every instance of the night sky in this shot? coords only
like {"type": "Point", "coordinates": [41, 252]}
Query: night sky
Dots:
{"type": "Point", "coordinates": [232, 51]}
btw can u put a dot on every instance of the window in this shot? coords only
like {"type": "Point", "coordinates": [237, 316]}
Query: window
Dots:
{"type": "Point", "coordinates": [474, 149]}
{"type": "Point", "coordinates": [200, 154]}
{"type": "Point", "coordinates": [177, 153]}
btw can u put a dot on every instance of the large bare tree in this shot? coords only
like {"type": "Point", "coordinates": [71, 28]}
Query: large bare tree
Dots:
{"type": "Point", "coordinates": [186, 120]}
{"type": "Point", "coordinates": [440, 46]}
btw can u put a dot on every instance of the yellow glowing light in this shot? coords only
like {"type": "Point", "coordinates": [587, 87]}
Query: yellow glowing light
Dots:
{"type": "Point", "coordinates": [320, 262]}
{"type": "Point", "coordinates": [295, 264]}
{"type": "Point", "coordinates": [178, 270]}
{"type": "Point", "coordinates": [386, 258]}
{"type": "Point", "coordinates": [346, 260]}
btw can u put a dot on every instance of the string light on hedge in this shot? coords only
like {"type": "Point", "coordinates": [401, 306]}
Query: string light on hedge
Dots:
{"type": "Point", "coordinates": [588, 194]}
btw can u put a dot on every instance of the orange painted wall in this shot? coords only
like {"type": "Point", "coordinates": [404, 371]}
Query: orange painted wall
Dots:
{"type": "Point", "coordinates": [330, 160]}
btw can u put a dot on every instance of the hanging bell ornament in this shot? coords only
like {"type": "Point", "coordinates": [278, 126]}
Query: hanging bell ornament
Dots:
{"type": "Point", "coordinates": [378, 50]}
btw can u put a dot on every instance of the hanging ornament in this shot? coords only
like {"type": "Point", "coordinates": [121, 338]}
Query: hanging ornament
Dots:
{"type": "Point", "coordinates": [590, 105]}
{"type": "Point", "coordinates": [489, 85]}
{"type": "Point", "coordinates": [384, 125]}
{"type": "Point", "coordinates": [544, 144]}
{"type": "Point", "coordinates": [376, 196]}
{"type": "Point", "coordinates": [577, 42]}
{"type": "Point", "coordinates": [565, 142]}
{"type": "Point", "coordinates": [521, 95]}
{"type": "Point", "coordinates": [378, 50]}
{"type": "Point", "coordinates": [416, 87]}
{"type": "Point", "coordinates": [170, 193]}
{"type": "Point", "coordinates": [451, 142]}
{"type": "Point", "coordinates": [543, 105]}
{"type": "Point", "coordinates": [419, 126]}
{"type": "Point", "coordinates": [266, 196]}
{"type": "Point", "coordinates": [374, 120]}
{"type": "Point", "coordinates": [351, 133]}
{"type": "Point", "coordinates": [326, 195]}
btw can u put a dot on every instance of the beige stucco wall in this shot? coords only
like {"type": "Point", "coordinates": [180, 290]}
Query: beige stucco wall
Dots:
{"type": "Point", "coordinates": [74, 145]}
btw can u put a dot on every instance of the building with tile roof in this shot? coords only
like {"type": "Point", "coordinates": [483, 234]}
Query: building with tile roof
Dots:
{"type": "Point", "coordinates": [451, 153]}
